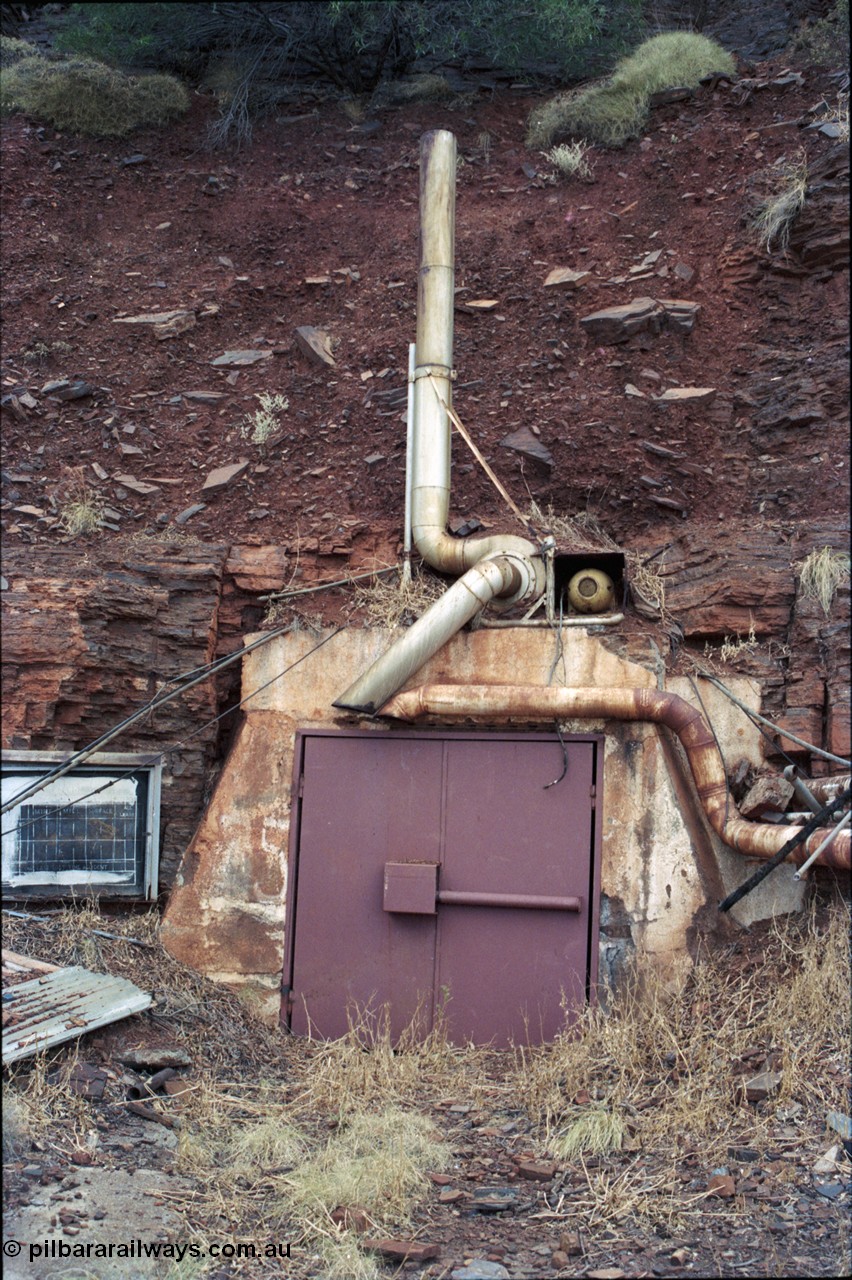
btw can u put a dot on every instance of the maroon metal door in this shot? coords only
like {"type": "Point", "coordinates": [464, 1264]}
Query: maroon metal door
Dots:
{"type": "Point", "coordinates": [444, 871]}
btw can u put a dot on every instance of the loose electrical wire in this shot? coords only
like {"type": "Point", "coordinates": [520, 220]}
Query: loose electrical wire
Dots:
{"type": "Point", "coordinates": [784, 733]}
{"type": "Point", "coordinates": [155, 757]}
{"type": "Point", "coordinates": [78, 757]}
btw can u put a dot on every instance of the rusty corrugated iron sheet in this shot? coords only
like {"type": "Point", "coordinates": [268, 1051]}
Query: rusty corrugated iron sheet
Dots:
{"type": "Point", "coordinates": [61, 1005]}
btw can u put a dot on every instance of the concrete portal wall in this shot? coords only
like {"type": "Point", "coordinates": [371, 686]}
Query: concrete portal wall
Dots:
{"type": "Point", "coordinates": [663, 869]}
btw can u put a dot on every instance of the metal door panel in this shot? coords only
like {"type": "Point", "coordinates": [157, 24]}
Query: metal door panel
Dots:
{"type": "Point", "coordinates": [508, 972]}
{"type": "Point", "coordinates": [364, 799]}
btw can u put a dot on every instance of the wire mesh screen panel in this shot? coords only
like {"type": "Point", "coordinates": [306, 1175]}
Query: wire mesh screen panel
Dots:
{"type": "Point", "coordinates": [92, 829]}
{"type": "Point", "coordinates": [91, 837]}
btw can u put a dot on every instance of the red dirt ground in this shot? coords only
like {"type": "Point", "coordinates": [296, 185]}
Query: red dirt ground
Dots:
{"type": "Point", "coordinates": [89, 237]}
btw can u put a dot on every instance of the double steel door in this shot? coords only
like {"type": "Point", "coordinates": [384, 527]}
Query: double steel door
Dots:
{"type": "Point", "coordinates": [443, 872]}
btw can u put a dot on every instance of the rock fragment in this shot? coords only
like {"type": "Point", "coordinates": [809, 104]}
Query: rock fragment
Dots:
{"type": "Point", "coordinates": [237, 359]}
{"type": "Point", "coordinates": [565, 278]}
{"type": "Point", "coordinates": [768, 795]}
{"type": "Point", "coordinates": [617, 324]}
{"type": "Point", "coordinates": [761, 1086]}
{"type": "Point", "coordinates": [221, 477]}
{"type": "Point", "coordinates": [315, 344]}
{"type": "Point", "coordinates": [179, 324]}
{"type": "Point", "coordinates": [403, 1250]}
{"type": "Point", "coordinates": [135, 486]}
{"type": "Point", "coordinates": [687, 395]}
{"type": "Point", "coordinates": [524, 442]}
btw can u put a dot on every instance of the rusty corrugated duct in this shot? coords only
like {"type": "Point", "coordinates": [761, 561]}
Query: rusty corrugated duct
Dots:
{"type": "Point", "coordinates": [533, 702]}
{"type": "Point", "coordinates": [500, 567]}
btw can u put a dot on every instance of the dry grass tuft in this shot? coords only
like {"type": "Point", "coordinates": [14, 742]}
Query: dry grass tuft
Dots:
{"type": "Point", "coordinates": [247, 1141]}
{"type": "Point", "coordinates": [774, 219]}
{"type": "Point", "coordinates": [387, 604]}
{"type": "Point", "coordinates": [597, 1132]}
{"type": "Point", "coordinates": [732, 647]}
{"type": "Point", "coordinates": [668, 1057]}
{"type": "Point", "coordinates": [376, 1160]}
{"type": "Point", "coordinates": [581, 532]}
{"type": "Point", "coordinates": [571, 159]}
{"type": "Point", "coordinates": [81, 512]}
{"type": "Point", "coordinates": [821, 573]}
{"type": "Point", "coordinates": [368, 1066]}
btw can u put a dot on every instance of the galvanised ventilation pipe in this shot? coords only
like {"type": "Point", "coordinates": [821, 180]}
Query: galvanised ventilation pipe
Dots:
{"type": "Point", "coordinates": [534, 702]}
{"type": "Point", "coordinates": [502, 567]}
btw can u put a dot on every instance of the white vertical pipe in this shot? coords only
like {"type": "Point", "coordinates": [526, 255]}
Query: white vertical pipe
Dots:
{"type": "Point", "coordinates": [844, 822]}
{"type": "Point", "coordinates": [409, 449]}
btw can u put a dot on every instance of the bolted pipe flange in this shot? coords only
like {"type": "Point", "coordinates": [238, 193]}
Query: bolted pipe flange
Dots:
{"type": "Point", "coordinates": [528, 572]}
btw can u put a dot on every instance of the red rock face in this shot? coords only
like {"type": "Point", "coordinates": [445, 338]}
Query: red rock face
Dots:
{"type": "Point", "coordinates": [321, 233]}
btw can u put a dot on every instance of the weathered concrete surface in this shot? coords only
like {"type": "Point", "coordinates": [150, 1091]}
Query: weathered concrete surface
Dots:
{"type": "Point", "coordinates": [226, 916]}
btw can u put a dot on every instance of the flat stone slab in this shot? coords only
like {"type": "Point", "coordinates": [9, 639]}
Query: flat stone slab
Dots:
{"type": "Point", "coordinates": [403, 1250]}
{"type": "Point", "coordinates": [524, 442]}
{"type": "Point", "coordinates": [135, 486]}
{"type": "Point", "coordinates": [236, 359]}
{"type": "Point", "coordinates": [315, 344]}
{"type": "Point", "coordinates": [565, 278]}
{"type": "Point", "coordinates": [687, 395]}
{"type": "Point", "coordinates": [221, 477]}
{"type": "Point", "coordinates": [643, 315]}
{"type": "Point", "coordinates": [203, 397]}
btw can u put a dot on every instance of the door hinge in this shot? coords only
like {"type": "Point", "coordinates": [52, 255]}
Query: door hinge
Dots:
{"type": "Point", "coordinates": [300, 790]}
{"type": "Point", "coordinates": [593, 795]}
{"type": "Point", "coordinates": [287, 1000]}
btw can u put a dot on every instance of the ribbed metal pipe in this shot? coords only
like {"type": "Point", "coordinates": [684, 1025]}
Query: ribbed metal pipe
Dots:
{"type": "Point", "coordinates": [828, 789]}
{"type": "Point", "coordinates": [534, 702]}
{"type": "Point", "coordinates": [430, 481]}
{"type": "Point", "coordinates": [504, 575]}
{"type": "Point", "coordinates": [503, 566]}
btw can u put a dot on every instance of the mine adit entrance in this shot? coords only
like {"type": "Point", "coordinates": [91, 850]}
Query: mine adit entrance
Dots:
{"type": "Point", "coordinates": [437, 874]}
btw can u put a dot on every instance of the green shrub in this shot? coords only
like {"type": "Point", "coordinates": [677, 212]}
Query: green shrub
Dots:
{"type": "Point", "coordinates": [13, 50]}
{"type": "Point", "coordinates": [137, 37]}
{"type": "Point", "coordinates": [825, 42]}
{"type": "Point", "coordinates": [354, 45]}
{"type": "Point", "coordinates": [79, 95]}
{"type": "Point", "coordinates": [616, 109]}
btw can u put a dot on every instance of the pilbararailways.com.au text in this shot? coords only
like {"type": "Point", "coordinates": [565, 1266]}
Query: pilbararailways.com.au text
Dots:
{"type": "Point", "coordinates": [144, 1249]}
